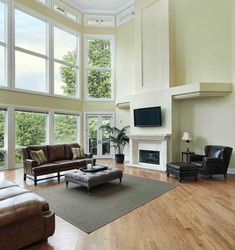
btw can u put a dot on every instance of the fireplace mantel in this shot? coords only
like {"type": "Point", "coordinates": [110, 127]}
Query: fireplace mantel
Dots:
{"type": "Point", "coordinates": [154, 137]}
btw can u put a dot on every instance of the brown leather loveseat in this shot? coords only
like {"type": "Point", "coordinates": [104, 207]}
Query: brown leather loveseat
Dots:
{"type": "Point", "coordinates": [59, 159]}
{"type": "Point", "coordinates": [25, 217]}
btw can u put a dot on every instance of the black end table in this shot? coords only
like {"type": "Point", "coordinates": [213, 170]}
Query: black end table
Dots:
{"type": "Point", "coordinates": [188, 154]}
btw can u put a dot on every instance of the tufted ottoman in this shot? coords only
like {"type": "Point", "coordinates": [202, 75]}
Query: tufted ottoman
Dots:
{"type": "Point", "coordinates": [90, 180]}
{"type": "Point", "coordinates": [181, 170]}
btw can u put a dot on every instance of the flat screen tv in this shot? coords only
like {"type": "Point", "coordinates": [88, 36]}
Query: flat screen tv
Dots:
{"type": "Point", "coordinates": [148, 117]}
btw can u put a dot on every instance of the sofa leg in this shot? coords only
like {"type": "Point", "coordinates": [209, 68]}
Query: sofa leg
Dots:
{"type": "Point", "coordinates": [58, 176]}
{"type": "Point", "coordinates": [35, 180]}
{"type": "Point", "coordinates": [24, 177]}
{"type": "Point", "coordinates": [225, 176]}
{"type": "Point", "coordinates": [67, 183]}
{"type": "Point", "coordinates": [167, 174]}
{"type": "Point", "coordinates": [210, 176]}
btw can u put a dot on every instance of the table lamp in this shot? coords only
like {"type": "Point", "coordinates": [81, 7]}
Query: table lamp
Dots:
{"type": "Point", "coordinates": [187, 138]}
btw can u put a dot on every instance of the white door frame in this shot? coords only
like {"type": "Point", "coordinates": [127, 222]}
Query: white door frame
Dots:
{"type": "Point", "coordinates": [85, 142]}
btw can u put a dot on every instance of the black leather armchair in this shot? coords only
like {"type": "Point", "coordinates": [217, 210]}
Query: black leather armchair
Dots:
{"type": "Point", "coordinates": [214, 162]}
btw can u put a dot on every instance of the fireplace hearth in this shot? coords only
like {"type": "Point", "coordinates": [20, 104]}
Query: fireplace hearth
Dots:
{"type": "Point", "coordinates": [149, 156]}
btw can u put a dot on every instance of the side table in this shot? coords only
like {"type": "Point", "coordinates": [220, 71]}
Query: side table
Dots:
{"type": "Point", "coordinates": [187, 154]}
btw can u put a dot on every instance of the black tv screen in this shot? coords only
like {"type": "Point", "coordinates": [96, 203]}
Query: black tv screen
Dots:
{"type": "Point", "coordinates": [148, 117]}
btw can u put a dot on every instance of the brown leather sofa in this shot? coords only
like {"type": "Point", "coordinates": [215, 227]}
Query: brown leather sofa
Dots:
{"type": "Point", "coordinates": [59, 158]}
{"type": "Point", "coordinates": [25, 217]}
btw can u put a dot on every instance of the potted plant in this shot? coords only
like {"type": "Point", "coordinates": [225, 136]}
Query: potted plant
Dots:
{"type": "Point", "coordinates": [119, 139]}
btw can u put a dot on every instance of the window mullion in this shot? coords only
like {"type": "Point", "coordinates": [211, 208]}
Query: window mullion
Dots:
{"type": "Point", "coordinates": [51, 56]}
{"type": "Point", "coordinates": [32, 53]}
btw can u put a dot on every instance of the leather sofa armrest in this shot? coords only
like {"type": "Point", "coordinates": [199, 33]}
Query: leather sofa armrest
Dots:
{"type": "Point", "coordinates": [196, 157]}
{"type": "Point", "coordinates": [30, 163]}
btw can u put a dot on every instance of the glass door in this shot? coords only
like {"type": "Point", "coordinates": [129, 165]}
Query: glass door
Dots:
{"type": "Point", "coordinates": [97, 139]}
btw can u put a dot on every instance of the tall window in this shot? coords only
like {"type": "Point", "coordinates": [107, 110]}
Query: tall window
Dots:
{"type": "Point", "coordinates": [2, 138]}
{"type": "Point", "coordinates": [31, 60]}
{"type": "Point", "coordinates": [65, 128]}
{"type": "Point", "coordinates": [31, 129]}
{"type": "Point", "coordinates": [66, 68]}
{"type": "Point", "coordinates": [99, 67]}
{"type": "Point", "coordinates": [3, 45]}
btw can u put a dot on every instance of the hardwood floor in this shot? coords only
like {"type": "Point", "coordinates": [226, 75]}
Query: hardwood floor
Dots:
{"type": "Point", "coordinates": [195, 215]}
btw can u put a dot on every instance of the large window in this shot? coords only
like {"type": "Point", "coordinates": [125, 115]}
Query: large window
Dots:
{"type": "Point", "coordinates": [99, 67]}
{"type": "Point", "coordinates": [65, 128]}
{"type": "Point", "coordinates": [66, 68]}
{"type": "Point", "coordinates": [3, 45]}
{"type": "Point", "coordinates": [2, 138]}
{"type": "Point", "coordinates": [31, 129]}
{"type": "Point", "coordinates": [31, 60]}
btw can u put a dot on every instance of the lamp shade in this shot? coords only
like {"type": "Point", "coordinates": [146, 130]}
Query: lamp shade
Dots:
{"type": "Point", "coordinates": [187, 136]}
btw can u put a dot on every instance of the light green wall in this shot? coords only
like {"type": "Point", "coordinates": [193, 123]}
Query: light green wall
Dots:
{"type": "Point", "coordinates": [204, 51]}
{"type": "Point", "coordinates": [203, 40]}
{"type": "Point", "coordinates": [125, 68]}
{"type": "Point", "coordinates": [125, 59]}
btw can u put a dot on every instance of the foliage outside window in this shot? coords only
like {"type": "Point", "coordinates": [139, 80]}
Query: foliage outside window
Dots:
{"type": "Point", "coordinates": [3, 44]}
{"type": "Point", "coordinates": [99, 68]}
{"type": "Point", "coordinates": [31, 58]}
{"type": "Point", "coordinates": [31, 129]}
{"type": "Point", "coordinates": [66, 69]}
{"type": "Point", "coordinates": [65, 128]}
{"type": "Point", "coordinates": [2, 137]}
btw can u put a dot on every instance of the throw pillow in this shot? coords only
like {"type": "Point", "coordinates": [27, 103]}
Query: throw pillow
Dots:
{"type": "Point", "coordinates": [78, 153]}
{"type": "Point", "coordinates": [38, 156]}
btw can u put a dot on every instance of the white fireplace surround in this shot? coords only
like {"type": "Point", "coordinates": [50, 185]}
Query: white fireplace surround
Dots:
{"type": "Point", "coordinates": [148, 142]}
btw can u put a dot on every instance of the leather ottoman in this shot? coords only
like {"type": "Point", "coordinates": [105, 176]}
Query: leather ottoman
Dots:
{"type": "Point", "coordinates": [181, 170]}
{"type": "Point", "coordinates": [90, 180]}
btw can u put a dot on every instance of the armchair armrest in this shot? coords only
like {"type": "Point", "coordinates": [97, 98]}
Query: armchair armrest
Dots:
{"type": "Point", "coordinates": [196, 157]}
{"type": "Point", "coordinates": [209, 160]}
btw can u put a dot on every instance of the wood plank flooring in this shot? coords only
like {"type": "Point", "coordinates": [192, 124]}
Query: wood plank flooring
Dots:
{"type": "Point", "coordinates": [195, 215]}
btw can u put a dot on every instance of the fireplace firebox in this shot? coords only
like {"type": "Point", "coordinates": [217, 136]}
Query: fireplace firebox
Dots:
{"type": "Point", "coordinates": [149, 156]}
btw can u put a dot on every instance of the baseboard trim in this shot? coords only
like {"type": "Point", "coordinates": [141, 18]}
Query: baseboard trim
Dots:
{"type": "Point", "coordinates": [231, 170]}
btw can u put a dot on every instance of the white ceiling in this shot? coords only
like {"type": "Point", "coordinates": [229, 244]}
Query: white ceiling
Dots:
{"type": "Point", "coordinates": [109, 6]}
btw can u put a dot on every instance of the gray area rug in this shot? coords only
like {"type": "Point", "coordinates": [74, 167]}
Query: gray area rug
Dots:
{"type": "Point", "coordinates": [105, 203]}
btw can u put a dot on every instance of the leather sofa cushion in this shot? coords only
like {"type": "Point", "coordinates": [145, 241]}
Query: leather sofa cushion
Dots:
{"type": "Point", "coordinates": [36, 148]}
{"type": "Point", "coordinates": [215, 152]}
{"type": "Point", "coordinates": [20, 207]}
{"type": "Point", "coordinates": [46, 168]}
{"type": "Point", "coordinates": [56, 152]}
{"type": "Point", "coordinates": [8, 192]}
{"type": "Point", "coordinates": [68, 150]}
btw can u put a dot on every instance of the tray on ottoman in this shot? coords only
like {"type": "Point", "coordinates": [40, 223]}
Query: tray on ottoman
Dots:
{"type": "Point", "coordinates": [182, 170]}
{"type": "Point", "coordinates": [94, 169]}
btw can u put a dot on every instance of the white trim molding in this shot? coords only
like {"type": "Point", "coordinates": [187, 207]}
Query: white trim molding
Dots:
{"type": "Point", "coordinates": [231, 171]}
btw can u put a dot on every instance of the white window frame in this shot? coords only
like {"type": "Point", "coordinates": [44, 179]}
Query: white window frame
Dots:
{"type": "Point", "coordinates": [55, 60]}
{"type": "Point", "coordinates": [126, 15]}
{"type": "Point", "coordinates": [67, 10]}
{"type": "Point", "coordinates": [34, 14]}
{"type": "Point", "coordinates": [4, 149]}
{"type": "Point", "coordinates": [4, 44]}
{"type": "Point", "coordinates": [85, 128]}
{"type": "Point", "coordinates": [78, 123]}
{"type": "Point", "coordinates": [99, 21]}
{"type": "Point", "coordinates": [99, 37]}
